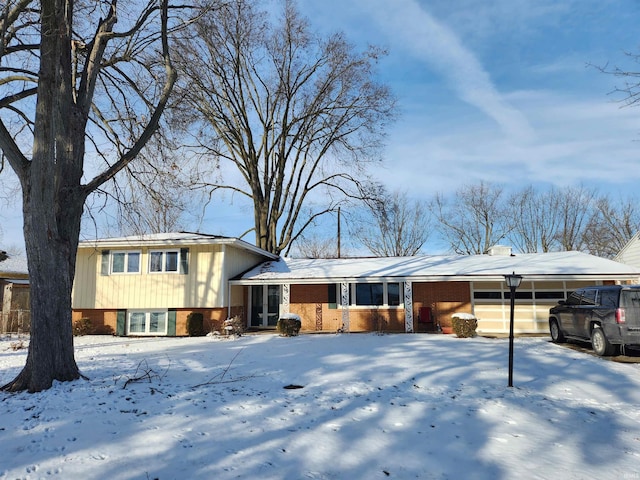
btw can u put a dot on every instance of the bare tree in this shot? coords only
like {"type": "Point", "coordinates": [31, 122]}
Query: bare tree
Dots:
{"type": "Point", "coordinates": [611, 226]}
{"type": "Point", "coordinates": [296, 115]}
{"type": "Point", "coordinates": [536, 220]}
{"type": "Point", "coordinates": [575, 207]}
{"type": "Point", "coordinates": [73, 85]}
{"type": "Point", "coordinates": [395, 226]}
{"type": "Point", "coordinates": [474, 219]}
{"type": "Point", "coordinates": [158, 195]}
{"type": "Point", "coordinates": [314, 246]}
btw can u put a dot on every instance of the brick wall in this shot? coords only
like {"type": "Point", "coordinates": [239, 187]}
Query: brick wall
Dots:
{"type": "Point", "coordinates": [104, 321]}
{"type": "Point", "coordinates": [444, 298]}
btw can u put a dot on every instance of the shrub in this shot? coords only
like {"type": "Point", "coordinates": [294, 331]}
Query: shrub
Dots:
{"type": "Point", "coordinates": [81, 327]}
{"type": "Point", "coordinates": [234, 326]}
{"type": "Point", "coordinates": [289, 325]}
{"type": "Point", "coordinates": [195, 324]}
{"type": "Point", "coordinates": [103, 330]}
{"type": "Point", "coordinates": [464, 325]}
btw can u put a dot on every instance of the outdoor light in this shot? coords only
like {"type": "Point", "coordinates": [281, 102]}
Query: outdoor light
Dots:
{"type": "Point", "coordinates": [513, 282]}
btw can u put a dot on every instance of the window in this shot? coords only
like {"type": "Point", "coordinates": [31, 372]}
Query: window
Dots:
{"type": "Point", "coordinates": [372, 294]}
{"type": "Point", "coordinates": [588, 297]}
{"type": "Point", "coordinates": [147, 323]}
{"type": "Point", "coordinates": [574, 298]}
{"type": "Point", "coordinates": [557, 295]}
{"type": "Point", "coordinates": [487, 295]}
{"type": "Point", "coordinates": [369, 294]}
{"type": "Point", "coordinates": [393, 294]}
{"type": "Point", "coordinates": [523, 295]}
{"type": "Point", "coordinates": [163, 261]}
{"type": "Point", "coordinates": [125, 262]}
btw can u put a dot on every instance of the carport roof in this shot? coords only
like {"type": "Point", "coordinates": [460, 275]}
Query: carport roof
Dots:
{"type": "Point", "coordinates": [556, 265]}
{"type": "Point", "coordinates": [14, 266]}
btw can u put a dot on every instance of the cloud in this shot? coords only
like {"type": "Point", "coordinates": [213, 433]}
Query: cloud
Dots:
{"type": "Point", "coordinates": [418, 32]}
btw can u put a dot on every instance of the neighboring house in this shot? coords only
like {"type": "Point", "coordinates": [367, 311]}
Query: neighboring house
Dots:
{"type": "Point", "coordinates": [14, 295]}
{"type": "Point", "coordinates": [148, 285]}
{"type": "Point", "coordinates": [630, 253]}
{"type": "Point", "coordinates": [414, 294]}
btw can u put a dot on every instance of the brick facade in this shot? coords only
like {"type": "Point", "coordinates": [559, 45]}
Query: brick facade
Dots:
{"type": "Point", "coordinates": [444, 299]}
{"type": "Point", "coordinates": [104, 321]}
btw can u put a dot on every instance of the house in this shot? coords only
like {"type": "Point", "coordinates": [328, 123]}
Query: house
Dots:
{"type": "Point", "coordinates": [421, 293]}
{"type": "Point", "coordinates": [14, 295]}
{"type": "Point", "coordinates": [148, 285]}
{"type": "Point", "coordinates": [630, 253]}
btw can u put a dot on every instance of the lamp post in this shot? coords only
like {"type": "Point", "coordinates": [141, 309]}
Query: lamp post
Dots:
{"type": "Point", "coordinates": [513, 282]}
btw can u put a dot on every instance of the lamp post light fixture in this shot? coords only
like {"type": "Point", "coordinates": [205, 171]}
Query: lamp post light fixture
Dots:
{"type": "Point", "coordinates": [513, 282]}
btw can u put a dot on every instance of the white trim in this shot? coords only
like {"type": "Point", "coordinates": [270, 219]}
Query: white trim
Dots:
{"type": "Point", "coordinates": [344, 295]}
{"type": "Point", "coordinates": [173, 239]}
{"type": "Point", "coordinates": [164, 253]}
{"type": "Point", "coordinates": [147, 313]}
{"type": "Point", "coordinates": [112, 253]}
{"type": "Point", "coordinates": [408, 312]}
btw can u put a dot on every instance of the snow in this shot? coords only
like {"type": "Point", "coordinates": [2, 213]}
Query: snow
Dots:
{"type": "Point", "coordinates": [542, 265]}
{"type": "Point", "coordinates": [371, 406]}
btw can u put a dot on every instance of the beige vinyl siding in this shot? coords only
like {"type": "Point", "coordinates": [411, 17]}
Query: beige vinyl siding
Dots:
{"type": "Point", "coordinates": [630, 254]}
{"type": "Point", "coordinates": [203, 287]}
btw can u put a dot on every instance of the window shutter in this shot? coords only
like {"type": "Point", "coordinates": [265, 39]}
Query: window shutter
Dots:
{"type": "Point", "coordinates": [121, 316]}
{"type": "Point", "coordinates": [104, 265]}
{"type": "Point", "coordinates": [171, 323]}
{"type": "Point", "coordinates": [184, 261]}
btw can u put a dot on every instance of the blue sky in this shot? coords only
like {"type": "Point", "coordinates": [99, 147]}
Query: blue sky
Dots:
{"type": "Point", "coordinates": [499, 91]}
{"type": "Point", "coordinates": [503, 91]}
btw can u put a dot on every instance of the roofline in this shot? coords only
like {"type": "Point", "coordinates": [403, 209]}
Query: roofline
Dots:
{"type": "Point", "coordinates": [438, 278]}
{"type": "Point", "coordinates": [205, 239]}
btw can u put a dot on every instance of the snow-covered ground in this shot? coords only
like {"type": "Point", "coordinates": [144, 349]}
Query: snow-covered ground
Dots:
{"type": "Point", "coordinates": [372, 406]}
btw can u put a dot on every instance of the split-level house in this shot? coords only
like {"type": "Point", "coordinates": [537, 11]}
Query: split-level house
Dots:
{"type": "Point", "coordinates": [148, 285]}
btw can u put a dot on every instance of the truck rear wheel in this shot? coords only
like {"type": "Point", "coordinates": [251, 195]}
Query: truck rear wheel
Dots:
{"type": "Point", "coordinates": [600, 344]}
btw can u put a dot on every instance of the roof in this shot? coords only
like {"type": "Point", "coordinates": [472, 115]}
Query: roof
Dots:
{"type": "Point", "coordinates": [433, 268]}
{"type": "Point", "coordinates": [173, 239]}
{"type": "Point", "coordinates": [12, 266]}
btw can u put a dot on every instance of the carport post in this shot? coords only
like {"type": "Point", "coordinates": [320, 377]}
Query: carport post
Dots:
{"type": "Point", "coordinates": [513, 282]}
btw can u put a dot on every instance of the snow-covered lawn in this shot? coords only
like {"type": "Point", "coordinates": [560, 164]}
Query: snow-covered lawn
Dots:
{"type": "Point", "coordinates": [371, 406]}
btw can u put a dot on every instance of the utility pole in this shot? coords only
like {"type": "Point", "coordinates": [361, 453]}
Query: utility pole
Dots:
{"type": "Point", "coordinates": [338, 232]}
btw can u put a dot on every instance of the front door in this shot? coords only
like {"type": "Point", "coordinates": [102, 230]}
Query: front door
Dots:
{"type": "Point", "coordinates": [265, 305]}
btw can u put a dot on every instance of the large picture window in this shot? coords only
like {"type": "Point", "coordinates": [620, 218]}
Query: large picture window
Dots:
{"type": "Point", "coordinates": [368, 294]}
{"type": "Point", "coordinates": [125, 262]}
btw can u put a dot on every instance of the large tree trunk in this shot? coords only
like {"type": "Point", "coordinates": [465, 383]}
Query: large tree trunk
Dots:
{"type": "Point", "coordinates": [51, 355]}
{"type": "Point", "coordinates": [51, 175]}
{"type": "Point", "coordinates": [52, 208]}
